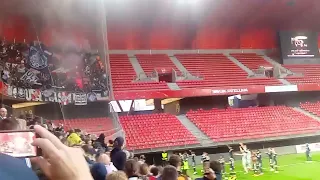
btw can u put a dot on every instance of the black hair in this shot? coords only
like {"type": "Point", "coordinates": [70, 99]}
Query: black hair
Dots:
{"type": "Point", "coordinates": [154, 171]}
{"type": "Point", "coordinates": [9, 124]}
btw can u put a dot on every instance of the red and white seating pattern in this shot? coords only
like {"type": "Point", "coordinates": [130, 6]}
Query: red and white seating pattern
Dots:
{"type": "Point", "coordinates": [252, 123]}
{"type": "Point", "coordinates": [89, 125]}
{"type": "Point", "coordinates": [155, 131]}
{"type": "Point", "coordinates": [217, 71]}
{"type": "Point", "coordinates": [311, 107]}
{"type": "Point", "coordinates": [123, 74]}
{"type": "Point", "coordinates": [311, 73]}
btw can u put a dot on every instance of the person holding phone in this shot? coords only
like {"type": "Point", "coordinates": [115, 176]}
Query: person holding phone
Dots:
{"type": "Point", "coordinates": [58, 161]}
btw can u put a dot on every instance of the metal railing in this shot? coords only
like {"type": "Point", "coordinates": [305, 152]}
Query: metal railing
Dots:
{"type": "Point", "coordinates": [118, 130]}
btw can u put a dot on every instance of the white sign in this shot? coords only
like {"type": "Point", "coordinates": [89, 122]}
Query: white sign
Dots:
{"type": "Point", "coordinates": [285, 88]}
{"type": "Point", "coordinates": [313, 147]}
{"type": "Point", "coordinates": [223, 91]}
{"type": "Point", "coordinates": [29, 77]}
{"type": "Point", "coordinates": [80, 99]}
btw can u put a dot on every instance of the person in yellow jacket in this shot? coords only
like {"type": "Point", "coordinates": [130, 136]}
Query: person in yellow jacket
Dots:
{"type": "Point", "coordinates": [74, 138]}
{"type": "Point", "coordinates": [185, 166]}
{"type": "Point", "coordinates": [164, 156]}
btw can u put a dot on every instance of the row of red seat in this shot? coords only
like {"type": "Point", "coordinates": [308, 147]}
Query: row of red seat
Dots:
{"type": "Point", "coordinates": [123, 75]}
{"type": "Point", "coordinates": [155, 131]}
{"type": "Point", "coordinates": [251, 60]}
{"type": "Point", "coordinates": [310, 73]}
{"type": "Point", "coordinates": [312, 107]}
{"type": "Point", "coordinates": [149, 62]}
{"type": "Point", "coordinates": [89, 125]}
{"type": "Point", "coordinates": [217, 71]}
{"type": "Point", "coordinates": [251, 123]}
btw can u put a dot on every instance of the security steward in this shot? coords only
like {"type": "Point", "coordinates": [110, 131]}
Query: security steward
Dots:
{"type": "Point", "coordinates": [164, 155]}
{"type": "Point", "coordinates": [185, 166]}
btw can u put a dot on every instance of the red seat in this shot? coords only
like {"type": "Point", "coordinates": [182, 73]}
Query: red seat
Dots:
{"type": "Point", "coordinates": [252, 123]}
{"type": "Point", "coordinates": [154, 131]}
{"type": "Point", "coordinates": [217, 71]}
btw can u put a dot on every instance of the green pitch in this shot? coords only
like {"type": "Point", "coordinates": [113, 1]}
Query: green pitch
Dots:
{"type": "Point", "coordinates": [291, 167]}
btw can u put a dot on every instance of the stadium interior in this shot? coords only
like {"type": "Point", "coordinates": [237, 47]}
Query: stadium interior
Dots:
{"type": "Point", "coordinates": [193, 75]}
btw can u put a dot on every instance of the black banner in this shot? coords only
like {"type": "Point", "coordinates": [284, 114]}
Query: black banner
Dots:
{"type": "Point", "coordinates": [299, 45]}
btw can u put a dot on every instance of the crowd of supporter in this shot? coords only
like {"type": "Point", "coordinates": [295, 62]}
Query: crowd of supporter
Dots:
{"type": "Point", "coordinates": [36, 66]}
{"type": "Point", "coordinates": [75, 155]}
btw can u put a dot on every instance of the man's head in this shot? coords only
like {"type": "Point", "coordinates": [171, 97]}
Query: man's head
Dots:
{"type": "Point", "coordinates": [169, 173]}
{"type": "Point", "coordinates": [175, 161]}
{"type": "Point", "coordinates": [144, 169]}
{"type": "Point", "coordinates": [131, 167]}
{"type": "Point", "coordinates": [117, 175]}
{"type": "Point", "coordinates": [78, 131]}
{"type": "Point", "coordinates": [118, 142]}
{"type": "Point", "coordinates": [3, 112]}
{"type": "Point", "coordinates": [154, 171]}
{"type": "Point", "coordinates": [103, 158]}
{"type": "Point", "coordinates": [216, 166]}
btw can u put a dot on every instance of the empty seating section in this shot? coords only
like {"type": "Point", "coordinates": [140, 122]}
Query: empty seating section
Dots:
{"type": "Point", "coordinates": [149, 62]}
{"type": "Point", "coordinates": [155, 131]}
{"type": "Point", "coordinates": [251, 60]}
{"type": "Point", "coordinates": [251, 123]}
{"type": "Point", "coordinates": [123, 74]}
{"type": "Point", "coordinates": [310, 73]}
{"type": "Point", "coordinates": [217, 71]}
{"type": "Point", "coordinates": [89, 125]}
{"type": "Point", "coordinates": [313, 108]}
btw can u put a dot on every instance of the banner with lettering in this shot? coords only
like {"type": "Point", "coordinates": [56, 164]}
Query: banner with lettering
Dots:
{"type": "Point", "coordinates": [51, 95]}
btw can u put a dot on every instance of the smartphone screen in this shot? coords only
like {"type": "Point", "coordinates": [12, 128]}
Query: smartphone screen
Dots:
{"type": "Point", "coordinates": [18, 144]}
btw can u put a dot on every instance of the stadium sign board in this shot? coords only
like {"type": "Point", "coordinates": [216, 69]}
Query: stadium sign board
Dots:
{"type": "Point", "coordinates": [302, 147]}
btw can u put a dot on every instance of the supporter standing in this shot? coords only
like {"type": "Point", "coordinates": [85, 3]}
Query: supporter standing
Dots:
{"type": "Point", "coordinates": [105, 159]}
{"type": "Point", "coordinates": [216, 167]}
{"type": "Point", "coordinates": [74, 138]}
{"type": "Point", "coordinates": [131, 168]}
{"type": "Point", "coordinates": [164, 155]}
{"type": "Point", "coordinates": [65, 163]}
{"type": "Point", "coordinates": [59, 128]}
{"type": "Point", "coordinates": [144, 171]}
{"type": "Point", "coordinates": [119, 175]}
{"type": "Point", "coordinates": [175, 161]}
{"type": "Point", "coordinates": [101, 141]}
{"type": "Point", "coordinates": [3, 113]}
{"type": "Point", "coordinates": [118, 156]}
{"type": "Point", "coordinates": [98, 171]}
{"type": "Point", "coordinates": [208, 175]}
{"type": "Point", "coordinates": [154, 173]}
{"type": "Point", "coordinates": [169, 173]}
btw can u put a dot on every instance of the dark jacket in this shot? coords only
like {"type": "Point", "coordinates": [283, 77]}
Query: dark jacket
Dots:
{"type": "Point", "coordinates": [118, 157]}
